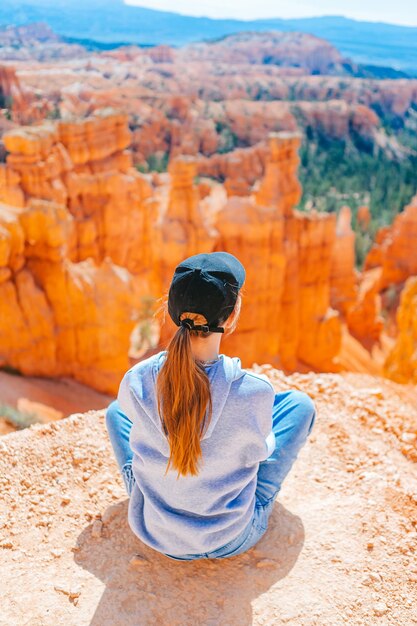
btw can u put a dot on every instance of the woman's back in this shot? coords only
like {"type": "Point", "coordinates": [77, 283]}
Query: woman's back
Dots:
{"type": "Point", "coordinates": [203, 450]}
{"type": "Point", "coordinates": [197, 514]}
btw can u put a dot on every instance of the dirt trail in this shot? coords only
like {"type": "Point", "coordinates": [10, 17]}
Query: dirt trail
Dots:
{"type": "Point", "coordinates": [340, 549]}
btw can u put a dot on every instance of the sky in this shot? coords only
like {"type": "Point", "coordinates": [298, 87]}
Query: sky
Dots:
{"type": "Point", "coordinates": [395, 12]}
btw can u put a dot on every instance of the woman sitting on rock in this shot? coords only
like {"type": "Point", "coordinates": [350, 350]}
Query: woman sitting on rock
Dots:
{"type": "Point", "coordinates": [202, 444]}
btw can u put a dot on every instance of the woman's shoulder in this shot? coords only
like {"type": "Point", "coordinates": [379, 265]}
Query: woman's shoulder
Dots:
{"type": "Point", "coordinates": [260, 381]}
{"type": "Point", "coordinates": [253, 382]}
{"type": "Point", "coordinates": [147, 364]}
{"type": "Point", "coordinates": [142, 374]}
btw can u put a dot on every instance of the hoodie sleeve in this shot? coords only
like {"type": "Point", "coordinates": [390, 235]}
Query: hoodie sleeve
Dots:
{"type": "Point", "coordinates": [124, 397]}
{"type": "Point", "coordinates": [132, 389]}
{"type": "Point", "coordinates": [267, 422]}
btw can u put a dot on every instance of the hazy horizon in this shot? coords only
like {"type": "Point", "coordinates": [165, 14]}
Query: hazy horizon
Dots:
{"type": "Point", "coordinates": [401, 13]}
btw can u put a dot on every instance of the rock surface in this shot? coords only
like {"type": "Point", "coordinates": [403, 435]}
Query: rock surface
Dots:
{"type": "Point", "coordinates": [364, 314]}
{"type": "Point", "coordinates": [59, 318]}
{"type": "Point", "coordinates": [395, 248]}
{"type": "Point", "coordinates": [14, 97]}
{"type": "Point", "coordinates": [343, 280]}
{"type": "Point", "coordinates": [343, 529]}
{"type": "Point", "coordinates": [401, 363]}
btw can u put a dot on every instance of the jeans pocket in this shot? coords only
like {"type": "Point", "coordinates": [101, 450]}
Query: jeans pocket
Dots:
{"type": "Point", "coordinates": [262, 513]}
{"type": "Point", "coordinates": [191, 557]}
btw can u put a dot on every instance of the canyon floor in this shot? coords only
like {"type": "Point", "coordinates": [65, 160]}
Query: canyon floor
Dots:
{"type": "Point", "coordinates": [340, 548]}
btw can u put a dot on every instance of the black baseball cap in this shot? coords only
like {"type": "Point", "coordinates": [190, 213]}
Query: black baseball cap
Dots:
{"type": "Point", "coordinates": [208, 284]}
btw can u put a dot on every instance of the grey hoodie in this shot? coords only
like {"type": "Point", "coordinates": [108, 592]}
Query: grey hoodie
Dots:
{"type": "Point", "coordinates": [197, 514]}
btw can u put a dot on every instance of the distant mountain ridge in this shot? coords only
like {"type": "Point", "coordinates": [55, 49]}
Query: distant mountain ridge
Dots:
{"type": "Point", "coordinates": [110, 21]}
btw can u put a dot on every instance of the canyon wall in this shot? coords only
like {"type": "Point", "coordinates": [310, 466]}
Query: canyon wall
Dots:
{"type": "Point", "coordinates": [85, 166]}
{"type": "Point", "coordinates": [87, 238]}
{"type": "Point", "coordinates": [286, 316]}
{"type": "Point", "coordinates": [85, 219]}
{"type": "Point", "coordinates": [60, 318]}
{"type": "Point", "coordinates": [66, 308]}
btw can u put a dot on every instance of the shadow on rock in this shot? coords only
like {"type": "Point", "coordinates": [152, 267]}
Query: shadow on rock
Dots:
{"type": "Point", "coordinates": [143, 587]}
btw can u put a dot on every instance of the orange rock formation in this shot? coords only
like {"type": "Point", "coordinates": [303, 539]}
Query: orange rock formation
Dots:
{"type": "Point", "coordinates": [107, 210]}
{"type": "Point", "coordinates": [181, 231]}
{"type": "Point", "coordinates": [10, 189]}
{"type": "Point", "coordinates": [63, 317]}
{"type": "Point", "coordinates": [60, 318]}
{"type": "Point", "coordinates": [320, 333]}
{"type": "Point", "coordinates": [74, 206]}
{"type": "Point", "coordinates": [395, 248]}
{"type": "Point", "coordinates": [13, 97]}
{"type": "Point", "coordinates": [39, 160]}
{"type": "Point", "coordinates": [356, 296]}
{"type": "Point", "coordinates": [364, 315]}
{"type": "Point", "coordinates": [401, 363]}
{"type": "Point", "coordinates": [242, 166]}
{"type": "Point", "coordinates": [343, 279]}
{"type": "Point", "coordinates": [255, 235]}
{"type": "Point", "coordinates": [84, 165]}
{"type": "Point", "coordinates": [287, 255]}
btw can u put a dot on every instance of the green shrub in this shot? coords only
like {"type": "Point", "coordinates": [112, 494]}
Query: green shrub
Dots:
{"type": "Point", "coordinates": [335, 172]}
{"type": "Point", "coordinates": [19, 419]}
{"type": "Point", "coordinates": [142, 334]}
{"type": "Point", "coordinates": [157, 162]}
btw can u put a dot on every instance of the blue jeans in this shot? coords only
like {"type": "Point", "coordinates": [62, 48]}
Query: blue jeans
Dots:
{"type": "Point", "coordinates": [293, 417]}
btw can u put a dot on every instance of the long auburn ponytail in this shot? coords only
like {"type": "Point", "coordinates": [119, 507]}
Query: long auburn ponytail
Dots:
{"type": "Point", "coordinates": [184, 396]}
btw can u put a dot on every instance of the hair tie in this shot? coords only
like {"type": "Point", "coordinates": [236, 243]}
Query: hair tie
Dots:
{"type": "Point", "coordinates": [187, 323]}
{"type": "Point", "coordinates": [190, 325]}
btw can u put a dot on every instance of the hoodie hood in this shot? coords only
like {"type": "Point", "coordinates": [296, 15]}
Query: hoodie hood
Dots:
{"type": "Point", "coordinates": [221, 376]}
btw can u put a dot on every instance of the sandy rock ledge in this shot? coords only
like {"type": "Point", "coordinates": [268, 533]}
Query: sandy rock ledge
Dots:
{"type": "Point", "coordinates": [340, 549]}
